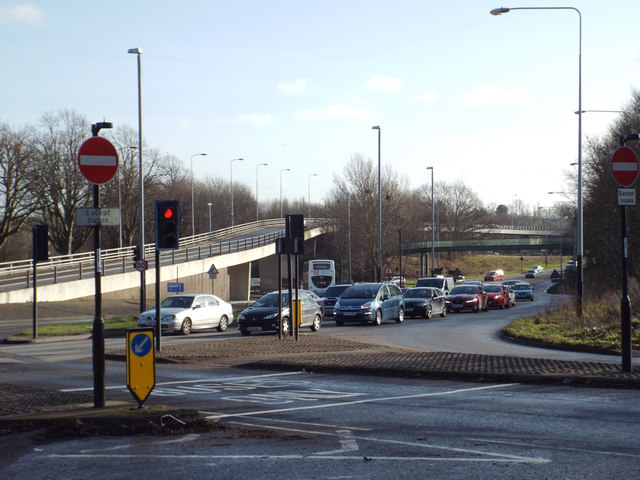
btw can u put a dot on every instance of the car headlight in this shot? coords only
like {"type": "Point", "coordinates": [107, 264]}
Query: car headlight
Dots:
{"type": "Point", "coordinates": [366, 306]}
{"type": "Point", "coordinates": [271, 316]}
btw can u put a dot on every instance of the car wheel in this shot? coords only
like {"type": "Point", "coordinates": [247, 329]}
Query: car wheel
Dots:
{"type": "Point", "coordinates": [245, 332]}
{"type": "Point", "coordinates": [224, 323]}
{"type": "Point", "coordinates": [400, 318]}
{"type": "Point", "coordinates": [286, 326]}
{"type": "Point", "coordinates": [185, 329]}
{"type": "Point", "coordinates": [444, 312]}
{"type": "Point", "coordinates": [378, 319]}
{"type": "Point", "coordinates": [486, 307]}
{"type": "Point", "coordinates": [317, 321]}
{"type": "Point", "coordinates": [428, 312]}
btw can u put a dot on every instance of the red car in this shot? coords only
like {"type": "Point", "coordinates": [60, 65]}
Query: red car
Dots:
{"type": "Point", "coordinates": [494, 276]}
{"type": "Point", "coordinates": [497, 295]}
{"type": "Point", "coordinates": [469, 297]}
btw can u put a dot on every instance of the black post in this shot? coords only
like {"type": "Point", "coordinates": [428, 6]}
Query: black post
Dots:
{"type": "Point", "coordinates": [98, 321]}
{"type": "Point", "coordinates": [35, 300]}
{"type": "Point", "coordinates": [400, 252]}
{"type": "Point", "coordinates": [625, 304]}
{"type": "Point", "coordinates": [290, 294]}
{"type": "Point", "coordinates": [158, 311]}
{"type": "Point", "coordinates": [279, 296]}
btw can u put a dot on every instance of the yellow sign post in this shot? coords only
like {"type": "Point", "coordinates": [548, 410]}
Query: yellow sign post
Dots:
{"type": "Point", "coordinates": [141, 367]}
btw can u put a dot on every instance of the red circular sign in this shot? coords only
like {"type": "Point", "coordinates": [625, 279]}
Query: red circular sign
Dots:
{"type": "Point", "coordinates": [624, 166]}
{"type": "Point", "coordinates": [98, 160]}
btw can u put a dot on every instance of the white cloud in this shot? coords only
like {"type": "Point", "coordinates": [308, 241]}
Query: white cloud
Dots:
{"type": "Point", "coordinates": [258, 120]}
{"type": "Point", "coordinates": [341, 111]}
{"type": "Point", "coordinates": [384, 84]}
{"type": "Point", "coordinates": [489, 93]}
{"type": "Point", "coordinates": [21, 14]}
{"type": "Point", "coordinates": [295, 88]}
{"type": "Point", "coordinates": [337, 111]}
{"type": "Point", "coordinates": [428, 97]}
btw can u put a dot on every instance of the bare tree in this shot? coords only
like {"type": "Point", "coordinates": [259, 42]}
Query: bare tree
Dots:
{"type": "Point", "coordinates": [17, 201]}
{"type": "Point", "coordinates": [60, 187]}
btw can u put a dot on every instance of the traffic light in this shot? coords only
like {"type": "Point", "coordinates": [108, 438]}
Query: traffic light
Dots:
{"type": "Point", "coordinates": [40, 243]}
{"type": "Point", "coordinates": [167, 224]}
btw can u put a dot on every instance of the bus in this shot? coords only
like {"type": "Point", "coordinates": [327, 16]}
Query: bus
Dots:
{"type": "Point", "coordinates": [318, 275]}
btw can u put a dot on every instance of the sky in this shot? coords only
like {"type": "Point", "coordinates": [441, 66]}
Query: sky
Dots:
{"type": "Point", "coordinates": [488, 100]}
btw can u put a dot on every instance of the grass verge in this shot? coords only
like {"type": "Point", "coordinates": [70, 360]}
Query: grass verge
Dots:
{"type": "Point", "coordinates": [81, 328]}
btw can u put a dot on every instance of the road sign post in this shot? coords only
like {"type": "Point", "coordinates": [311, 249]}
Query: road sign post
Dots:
{"type": "Point", "coordinates": [141, 369]}
{"type": "Point", "coordinates": [98, 162]}
{"type": "Point", "coordinates": [624, 168]}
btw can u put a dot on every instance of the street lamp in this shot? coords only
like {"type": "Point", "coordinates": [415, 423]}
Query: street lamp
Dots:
{"type": "Point", "coordinates": [433, 232]}
{"type": "Point", "coordinates": [309, 190]}
{"type": "Point", "coordinates": [282, 170]}
{"type": "Point", "coordinates": [579, 229]}
{"type": "Point", "coordinates": [232, 215]}
{"type": "Point", "coordinates": [210, 205]}
{"type": "Point", "coordinates": [143, 300]}
{"type": "Point", "coordinates": [379, 269]}
{"type": "Point", "coordinates": [257, 203]}
{"type": "Point", "coordinates": [193, 210]}
{"type": "Point", "coordinates": [349, 230]}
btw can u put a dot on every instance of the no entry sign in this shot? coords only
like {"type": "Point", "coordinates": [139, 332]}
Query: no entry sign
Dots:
{"type": "Point", "coordinates": [98, 160]}
{"type": "Point", "coordinates": [624, 166]}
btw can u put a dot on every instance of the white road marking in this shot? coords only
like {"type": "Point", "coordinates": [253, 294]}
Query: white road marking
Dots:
{"type": "Point", "coordinates": [217, 416]}
{"type": "Point", "coordinates": [297, 422]}
{"type": "Point", "coordinates": [201, 380]}
{"type": "Point", "coordinates": [555, 447]}
{"type": "Point", "coordinates": [347, 443]}
{"type": "Point", "coordinates": [495, 456]}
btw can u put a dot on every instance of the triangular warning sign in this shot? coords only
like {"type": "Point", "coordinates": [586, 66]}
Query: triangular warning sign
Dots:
{"type": "Point", "coordinates": [213, 270]}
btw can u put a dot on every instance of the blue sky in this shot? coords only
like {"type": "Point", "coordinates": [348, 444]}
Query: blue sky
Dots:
{"type": "Point", "coordinates": [299, 84]}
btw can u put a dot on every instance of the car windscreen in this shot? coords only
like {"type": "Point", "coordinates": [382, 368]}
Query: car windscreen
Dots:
{"type": "Point", "coordinates": [335, 291]}
{"type": "Point", "coordinates": [361, 291]}
{"type": "Point", "coordinates": [492, 288]}
{"type": "Point", "coordinates": [522, 287]}
{"type": "Point", "coordinates": [464, 290]}
{"type": "Point", "coordinates": [271, 300]}
{"type": "Point", "coordinates": [177, 302]}
{"type": "Point", "coordinates": [429, 282]}
{"type": "Point", "coordinates": [417, 293]}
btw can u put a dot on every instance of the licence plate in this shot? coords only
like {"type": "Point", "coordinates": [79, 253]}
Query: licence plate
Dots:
{"type": "Point", "coordinates": [409, 309]}
{"type": "Point", "coordinates": [254, 329]}
{"type": "Point", "coordinates": [350, 314]}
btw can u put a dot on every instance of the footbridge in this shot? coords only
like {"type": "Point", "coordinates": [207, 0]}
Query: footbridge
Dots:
{"type": "Point", "coordinates": [238, 254]}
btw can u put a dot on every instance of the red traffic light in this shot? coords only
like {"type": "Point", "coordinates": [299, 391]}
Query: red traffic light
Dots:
{"type": "Point", "coordinates": [168, 213]}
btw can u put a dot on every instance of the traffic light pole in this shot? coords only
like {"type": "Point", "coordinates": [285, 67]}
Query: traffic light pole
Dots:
{"type": "Point", "coordinates": [98, 321]}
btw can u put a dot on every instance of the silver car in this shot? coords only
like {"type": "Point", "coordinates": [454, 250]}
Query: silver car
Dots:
{"type": "Point", "coordinates": [184, 313]}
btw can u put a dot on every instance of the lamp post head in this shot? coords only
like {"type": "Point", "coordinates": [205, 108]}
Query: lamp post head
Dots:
{"type": "Point", "coordinates": [376, 127]}
{"type": "Point", "coordinates": [499, 11]}
{"type": "Point", "coordinates": [136, 50]}
{"type": "Point", "coordinates": [429, 168]}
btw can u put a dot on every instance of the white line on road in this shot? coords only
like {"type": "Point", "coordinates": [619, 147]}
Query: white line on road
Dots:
{"type": "Point", "coordinates": [217, 416]}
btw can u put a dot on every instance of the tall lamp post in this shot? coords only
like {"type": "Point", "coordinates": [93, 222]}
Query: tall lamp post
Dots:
{"type": "Point", "coordinates": [193, 210]}
{"type": "Point", "coordinates": [349, 229]}
{"type": "Point", "coordinates": [258, 203]}
{"type": "Point", "coordinates": [433, 224]}
{"type": "Point", "coordinates": [282, 170]}
{"type": "Point", "coordinates": [143, 295]}
{"type": "Point", "coordinates": [210, 205]}
{"type": "Point", "coordinates": [579, 228]}
{"type": "Point", "coordinates": [309, 190]}
{"type": "Point", "coordinates": [379, 269]}
{"type": "Point", "coordinates": [233, 219]}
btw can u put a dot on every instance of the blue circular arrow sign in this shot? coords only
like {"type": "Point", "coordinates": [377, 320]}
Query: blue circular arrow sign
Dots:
{"type": "Point", "coordinates": [141, 344]}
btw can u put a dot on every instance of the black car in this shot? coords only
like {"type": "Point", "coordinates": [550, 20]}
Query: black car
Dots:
{"type": "Point", "coordinates": [331, 296]}
{"type": "Point", "coordinates": [262, 316]}
{"type": "Point", "coordinates": [424, 302]}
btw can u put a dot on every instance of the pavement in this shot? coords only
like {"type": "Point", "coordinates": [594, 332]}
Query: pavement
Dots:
{"type": "Point", "coordinates": [20, 404]}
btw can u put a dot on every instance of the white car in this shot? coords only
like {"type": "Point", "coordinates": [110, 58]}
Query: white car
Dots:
{"type": "Point", "coordinates": [184, 313]}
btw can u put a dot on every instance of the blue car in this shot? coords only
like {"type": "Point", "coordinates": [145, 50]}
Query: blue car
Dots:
{"type": "Point", "coordinates": [523, 291]}
{"type": "Point", "coordinates": [370, 303]}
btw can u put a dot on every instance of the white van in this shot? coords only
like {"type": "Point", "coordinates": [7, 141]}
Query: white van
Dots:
{"type": "Point", "coordinates": [443, 283]}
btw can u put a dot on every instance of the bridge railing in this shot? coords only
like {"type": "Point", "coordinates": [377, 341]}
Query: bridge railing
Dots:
{"type": "Point", "coordinates": [213, 242]}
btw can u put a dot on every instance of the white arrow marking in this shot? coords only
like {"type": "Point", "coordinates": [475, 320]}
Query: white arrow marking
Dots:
{"type": "Point", "coordinates": [139, 347]}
